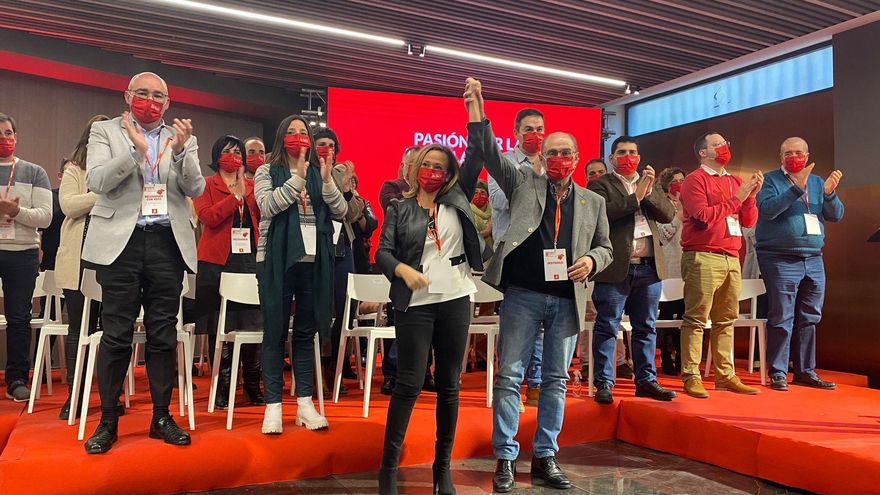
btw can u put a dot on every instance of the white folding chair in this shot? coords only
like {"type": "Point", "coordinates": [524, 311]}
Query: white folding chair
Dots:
{"type": "Point", "coordinates": [362, 288]}
{"type": "Point", "coordinates": [588, 332]}
{"type": "Point", "coordinates": [484, 325]}
{"type": "Point", "coordinates": [751, 289]}
{"type": "Point", "coordinates": [240, 288]}
{"type": "Point", "coordinates": [51, 327]}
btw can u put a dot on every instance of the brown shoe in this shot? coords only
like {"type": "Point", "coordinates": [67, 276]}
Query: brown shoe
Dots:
{"type": "Point", "coordinates": [736, 386]}
{"type": "Point", "coordinates": [694, 387]}
{"type": "Point", "coordinates": [532, 395]}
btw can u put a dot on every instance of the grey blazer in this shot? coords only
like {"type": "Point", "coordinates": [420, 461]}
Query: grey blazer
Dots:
{"type": "Point", "coordinates": [118, 180]}
{"type": "Point", "coordinates": [527, 193]}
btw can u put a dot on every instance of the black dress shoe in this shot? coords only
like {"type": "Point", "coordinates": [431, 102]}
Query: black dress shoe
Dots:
{"type": "Point", "coordinates": [103, 438]}
{"type": "Point", "coordinates": [166, 429]}
{"type": "Point", "coordinates": [624, 371]}
{"type": "Point", "coordinates": [429, 385]}
{"type": "Point", "coordinates": [779, 382]}
{"type": "Point", "coordinates": [547, 470]}
{"type": "Point", "coordinates": [388, 386]}
{"type": "Point", "coordinates": [603, 394]}
{"type": "Point", "coordinates": [505, 472]}
{"type": "Point", "coordinates": [653, 390]}
{"type": "Point", "coordinates": [813, 381]}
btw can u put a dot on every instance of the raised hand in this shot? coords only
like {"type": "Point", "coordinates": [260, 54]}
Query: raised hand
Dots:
{"type": "Point", "coordinates": [473, 99]}
{"type": "Point", "coordinates": [746, 188]}
{"type": "Point", "coordinates": [182, 132]}
{"type": "Point", "coordinates": [833, 181]}
{"type": "Point", "coordinates": [347, 177]}
{"type": "Point", "coordinates": [646, 183]}
{"type": "Point", "coordinates": [238, 188]}
{"type": "Point", "coordinates": [758, 177]}
{"type": "Point", "coordinates": [801, 177]}
{"type": "Point", "coordinates": [300, 166]}
{"type": "Point", "coordinates": [327, 170]}
{"type": "Point", "coordinates": [134, 134]}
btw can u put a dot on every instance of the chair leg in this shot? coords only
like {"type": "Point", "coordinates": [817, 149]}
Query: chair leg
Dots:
{"type": "Point", "coordinates": [752, 331]}
{"type": "Point", "coordinates": [215, 374]}
{"type": "Point", "coordinates": [181, 392]}
{"type": "Point", "coordinates": [47, 351]}
{"type": "Point", "coordinates": [371, 355]}
{"type": "Point", "coordinates": [188, 365]}
{"type": "Point", "coordinates": [708, 360]}
{"type": "Point", "coordinates": [87, 392]}
{"type": "Point", "coordinates": [464, 358]}
{"type": "Point", "coordinates": [62, 357]}
{"type": "Point", "coordinates": [319, 374]}
{"type": "Point", "coordinates": [131, 367]}
{"type": "Point", "coordinates": [762, 352]}
{"type": "Point", "coordinates": [357, 360]}
{"type": "Point", "coordinates": [233, 381]}
{"type": "Point", "coordinates": [590, 359]}
{"type": "Point", "coordinates": [126, 387]}
{"type": "Point", "coordinates": [77, 374]}
{"type": "Point", "coordinates": [490, 366]}
{"type": "Point", "coordinates": [337, 379]}
{"type": "Point", "coordinates": [38, 375]}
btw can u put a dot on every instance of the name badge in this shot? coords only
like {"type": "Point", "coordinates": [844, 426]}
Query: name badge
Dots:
{"type": "Point", "coordinates": [310, 238]}
{"type": "Point", "coordinates": [7, 229]}
{"type": "Point", "coordinates": [555, 265]}
{"type": "Point", "coordinates": [155, 201]}
{"type": "Point", "coordinates": [733, 227]}
{"type": "Point", "coordinates": [241, 241]}
{"type": "Point", "coordinates": [813, 225]}
{"type": "Point", "coordinates": [642, 228]}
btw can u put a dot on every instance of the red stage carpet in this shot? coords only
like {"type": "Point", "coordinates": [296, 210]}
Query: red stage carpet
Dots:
{"type": "Point", "coordinates": [820, 441]}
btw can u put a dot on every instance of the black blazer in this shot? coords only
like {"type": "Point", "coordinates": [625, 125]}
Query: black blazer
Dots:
{"type": "Point", "coordinates": [406, 225]}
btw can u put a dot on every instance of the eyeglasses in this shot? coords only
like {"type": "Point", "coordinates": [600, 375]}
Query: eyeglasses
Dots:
{"type": "Point", "coordinates": [155, 95]}
{"type": "Point", "coordinates": [565, 153]}
{"type": "Point", "coordinates": [722, 143]}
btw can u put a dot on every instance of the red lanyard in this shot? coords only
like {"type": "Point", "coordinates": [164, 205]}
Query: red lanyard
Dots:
{"type": "Point", "coordinates": [241, 214]}
{"type": "Point", "coordinates": [155, 167]}
{"type": "Point", "coordinates": [434, 231]}
{"type": "Point", "coordinates": [11, 175]}
{"type": "Point", "coordinates": [805, 197]}
{"type": "Point", "coordinates": [559, 200]}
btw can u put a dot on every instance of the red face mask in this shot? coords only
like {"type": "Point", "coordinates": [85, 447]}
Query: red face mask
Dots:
{"type": "Point", "coordinates": [559, 167]}
{"type": "Point", "coordinates": [229, 162]}
{"type": "Point", "coordinates": [675, 188]}
{"type": "Point", "coordinates": [481, 198]}
{"type": "Point", "coordinates": [627, 164]}
{"type": "Point", "coordinates": [722, 155]}
{"type": "Point", "coordinates": [532, 141]}
{"type": "Point", "coordinates": [145, 110]}
{"type": "Point", "coordinates": [294, 143]}
{"type": "Point", "coordinates": [431, 179]}
{"type": "Point", "coordinates": [7, 147]}
{"type": "Point", "coordinates": [324, 151]}
{"type": "Point", "coordinates": [254, 162]}
{"type": "Point", "coordinates": [795, 163]}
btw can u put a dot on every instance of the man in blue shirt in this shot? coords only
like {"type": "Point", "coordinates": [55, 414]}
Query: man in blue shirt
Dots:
{"type": "Point", "coordinates": [793, 207]}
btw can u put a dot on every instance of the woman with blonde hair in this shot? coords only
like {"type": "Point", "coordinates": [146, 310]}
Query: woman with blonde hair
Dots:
{"type": "Point", "coordinates": [427, 249]}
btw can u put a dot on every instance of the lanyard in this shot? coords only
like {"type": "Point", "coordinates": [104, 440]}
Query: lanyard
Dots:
{"type": "Point", "coordinates": [155, 167]}
{"type": "Point", "coordinates": [241, 214]}
{"type": "Point", "coordinates": [805, 197]}
{"type": "Point", "coordinates": [434, 229]}
{"type": "Point", "coordinates": [11, 175]}
{"type": "Point", "coordinates": [559, 199]}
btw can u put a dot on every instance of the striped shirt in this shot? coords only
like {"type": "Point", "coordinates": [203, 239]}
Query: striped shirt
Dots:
{"type": "Point", "coordinates": [274, 201]}
{"type": "Point", "coordinates": [31, 186]}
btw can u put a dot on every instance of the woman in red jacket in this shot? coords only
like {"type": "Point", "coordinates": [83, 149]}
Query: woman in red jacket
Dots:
{"type": "Point", "coordinates": [230, 219]}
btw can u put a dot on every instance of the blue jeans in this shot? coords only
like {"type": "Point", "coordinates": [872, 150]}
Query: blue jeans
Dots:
{"type": "Point", "coordinates": [525, 313]}
{"type": "Point", "coordinates": [796, 292]}
{"type": "Point", "coordinates": [639, 295]}
{"type": "Point", "coordinates": [533, 372]}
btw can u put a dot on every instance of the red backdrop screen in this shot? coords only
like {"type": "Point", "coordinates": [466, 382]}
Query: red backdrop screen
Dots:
{"type": "Point", "coordinates": [375, 127]}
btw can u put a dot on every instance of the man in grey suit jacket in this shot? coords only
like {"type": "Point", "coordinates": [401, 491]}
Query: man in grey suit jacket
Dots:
{"type": "Point", "coordinates": [140, 238]}
{"type": "Point", "coordinates": [558, 238]}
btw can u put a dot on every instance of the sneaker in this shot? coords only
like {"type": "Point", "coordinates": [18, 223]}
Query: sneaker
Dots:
{"type": "Point", "coordinates": [532, 395]}
{"type": "Point", "coordinates": [308, 416]}
{"type": "Point", "coordinates": [272, 419]}
{"type": "Point", "coordinates": [18, 391]}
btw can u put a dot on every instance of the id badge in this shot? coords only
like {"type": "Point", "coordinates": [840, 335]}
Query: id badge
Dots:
{"type": "Point", "coordinates": [814, 227]}
{"type": "Point", "coordinates": [555, 265]}
{"type": "Point", "coordinates": [7, 229]}
{"type": "Point", "coordinates": [733, 227]}
{"type": "Point", "coordinates": [241, 241]}
{"type": "Point", "coordinates": [155, 201]}
{"type": "Point", "coordinates": [310, 239]}
{"type": "Point", "coordinates": [642, 229]}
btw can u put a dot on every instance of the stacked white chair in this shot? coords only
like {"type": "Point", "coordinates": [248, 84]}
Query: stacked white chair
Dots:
{"type": "Point", "coordinates": [49, 328]}
{"type": "Point", "coordinates": [484, 325]}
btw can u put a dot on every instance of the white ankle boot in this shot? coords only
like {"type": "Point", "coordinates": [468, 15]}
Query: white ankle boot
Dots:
{"type": "Point", "coordinates": [272, 419]}
{"type": "Point", "coordinates": [307, 416]}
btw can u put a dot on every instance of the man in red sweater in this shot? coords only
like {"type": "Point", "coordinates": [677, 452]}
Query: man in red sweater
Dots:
{"type": "Point", "coordinates": [716, 206]}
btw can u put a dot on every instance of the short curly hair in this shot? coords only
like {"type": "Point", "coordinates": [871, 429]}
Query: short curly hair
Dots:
{"type": "Point", "coordinates": [666, 177]}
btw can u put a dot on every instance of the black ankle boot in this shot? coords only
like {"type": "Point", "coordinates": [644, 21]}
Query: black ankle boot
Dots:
{"type": "Point", "coordinates": [388, 481]}
{"type": "Point", "coordinates": [442, 479]}
{"type": "Point", "coordinates": [224, 379]}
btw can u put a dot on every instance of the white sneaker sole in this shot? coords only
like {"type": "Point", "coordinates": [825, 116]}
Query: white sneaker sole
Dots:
{"type": "Point", "coordinates": [10, 396]}
{"type": "Point", "coordinates": [321, 424]}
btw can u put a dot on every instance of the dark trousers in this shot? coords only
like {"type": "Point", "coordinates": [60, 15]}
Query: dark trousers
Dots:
{"type": "Point", "coordinates": [75, 307]}
{"type": "Point", "coordinates": [298, 282]}
{"type": "Point", "coordinates": [18, 272]}
{"type": "Point", "coordinates": [445, 326]}
{"type": "Point", "coordinates": [669, 339]}
{"type": "Point", "coordinates": [342, 268]}
{"type": "Point", "coordinates": [148, 272]}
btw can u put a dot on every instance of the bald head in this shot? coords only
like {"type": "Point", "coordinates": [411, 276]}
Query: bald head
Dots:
{"type": "Point", "coordinates": [560, 140]}
{"type": "Point", "coordinates": [146, 80]}
{"type": "Point", "coordinates": [793, 144]}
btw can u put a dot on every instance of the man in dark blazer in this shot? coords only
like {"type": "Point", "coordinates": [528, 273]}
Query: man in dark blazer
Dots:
{"type": "Point", "coordinates": [632, 282]}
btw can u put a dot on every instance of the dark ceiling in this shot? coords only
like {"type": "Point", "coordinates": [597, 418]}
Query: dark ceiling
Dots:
{"type": "Point", "coordinates": [644, 42]}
